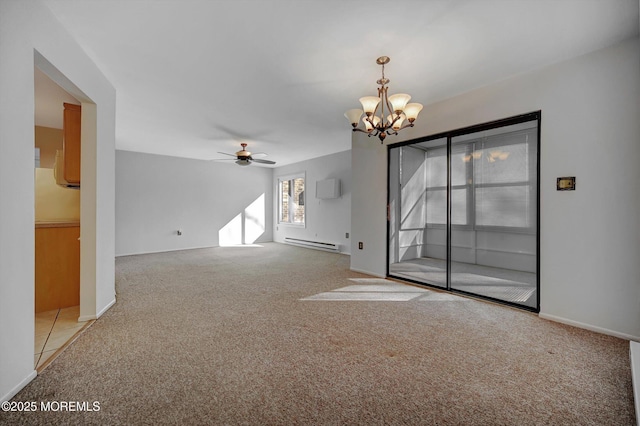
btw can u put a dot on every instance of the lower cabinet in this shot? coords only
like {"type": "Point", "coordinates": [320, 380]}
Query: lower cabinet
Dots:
{"type": "Point", "coordinates": [57, 269]}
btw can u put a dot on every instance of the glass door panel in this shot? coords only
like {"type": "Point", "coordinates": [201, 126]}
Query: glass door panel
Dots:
{"type": "Point", "coordinates": [418, 212]}
{"type": "Point", "coordinates": [493, 219]}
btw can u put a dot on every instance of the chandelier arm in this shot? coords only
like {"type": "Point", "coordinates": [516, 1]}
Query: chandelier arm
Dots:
{"type": "Point", "coordinates": [374, 114]}
{"type": "Point", "coordinates": [391, 131]}
{"type": "Point", "coordinates": [389, 107]}
{"type": "Point", "coordinates": [382, 101]}
{"type": "Point", "coordinates": [382, 93]}
{"type": "Point", "coordinates": [406, 125]}
{"type": "Point", "coordinates": [374, 132]}
{"type": "Point", "coordinates": [368, 117]}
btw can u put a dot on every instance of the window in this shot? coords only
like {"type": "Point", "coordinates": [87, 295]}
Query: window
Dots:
{"type": "Point", "coordinates": [505, 190]}
{"type": "Point", "coordinates": [493, 181]}
{"type": "Point", "coordinates": [291, 200]}
{"type": "Point", "coordinates": [436, 161]}
{"type": "Point", "coordinates": [504, 181]}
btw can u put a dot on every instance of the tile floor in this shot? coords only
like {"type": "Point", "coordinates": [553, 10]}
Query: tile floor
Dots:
{"type": "Point", "coordinates": [53, 330]}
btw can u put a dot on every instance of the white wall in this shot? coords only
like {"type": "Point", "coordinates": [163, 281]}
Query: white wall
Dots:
{"type": "Point", "coordinates": [327, 220]}
{"type": "Point", "coordinates": [368, 205]}
{"type": "Point", "coordinates": [590, 238]}
{"type": "Point", "coordinates": [30, 35]}
{"type": "Point", "coordinates": [157, 195]}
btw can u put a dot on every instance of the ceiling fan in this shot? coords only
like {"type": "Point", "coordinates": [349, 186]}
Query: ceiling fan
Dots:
{"type": "Point", "coordinates": [244, 157]}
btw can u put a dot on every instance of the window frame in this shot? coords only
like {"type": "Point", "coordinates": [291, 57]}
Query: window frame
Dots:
{"type": "Point", "coordinates": [294, 204]}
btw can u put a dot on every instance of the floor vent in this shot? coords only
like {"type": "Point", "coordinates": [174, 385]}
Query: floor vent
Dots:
{"type": "Point", "coordinates": [313, 244]}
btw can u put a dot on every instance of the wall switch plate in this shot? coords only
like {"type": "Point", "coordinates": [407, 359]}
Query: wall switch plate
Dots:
{"type": "Point", "coordinates": [346, 235]}
{"type": "Point", "coordinates": [567, 183]}
{"type": "Point", "coordinates": [179, 232]}
{"type": "Point", "coordinates": [360, 245]}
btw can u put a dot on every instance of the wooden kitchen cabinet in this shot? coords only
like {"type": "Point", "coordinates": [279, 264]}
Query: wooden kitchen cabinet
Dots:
{"type": "Point", "coordinates": [71, 143]}
{"type": "Point", "coordinates": [57, 269]}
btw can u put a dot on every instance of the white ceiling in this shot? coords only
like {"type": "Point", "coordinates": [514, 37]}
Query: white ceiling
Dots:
{"type": "Point", "coordinates": [194, 77]}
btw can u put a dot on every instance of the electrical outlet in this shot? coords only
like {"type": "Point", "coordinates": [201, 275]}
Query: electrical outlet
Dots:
{"type": "Point", "coordinates": [179, 232]}
{"type": "Point", "coordinates": [346, 235]}
{"type": "Point", "coordinates": [360, 246]}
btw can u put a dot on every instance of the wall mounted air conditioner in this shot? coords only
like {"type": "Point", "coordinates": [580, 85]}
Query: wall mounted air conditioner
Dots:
{"type": "Point", "coordinates": [328, 188]}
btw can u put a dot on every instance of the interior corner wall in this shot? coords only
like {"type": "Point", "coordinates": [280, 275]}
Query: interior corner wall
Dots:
{"type": "Point", "coordinates": [29, 32]}
{"type": "Point", "coordinates": [590, 237]}
{"type": "Point", "coordinates": [326, 220]}
{"type": "Point", "coordinates": [158, 195]}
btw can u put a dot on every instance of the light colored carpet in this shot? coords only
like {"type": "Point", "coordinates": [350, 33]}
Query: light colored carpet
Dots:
{"type": "Point", "coordinates": [221, 336]}
{"type": "Point", "coordinates": [371, 290]}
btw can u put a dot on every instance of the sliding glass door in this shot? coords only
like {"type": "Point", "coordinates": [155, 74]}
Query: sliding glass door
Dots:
{"type": "Point", "coordinates": [463, 211]}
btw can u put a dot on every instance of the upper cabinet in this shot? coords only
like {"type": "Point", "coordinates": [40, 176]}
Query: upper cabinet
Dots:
{"type": "Point", "coordinates": [71, 143]}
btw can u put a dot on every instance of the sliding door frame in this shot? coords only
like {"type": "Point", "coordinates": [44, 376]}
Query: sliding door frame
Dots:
{"type": "Point", "coordinates": [449, 135]}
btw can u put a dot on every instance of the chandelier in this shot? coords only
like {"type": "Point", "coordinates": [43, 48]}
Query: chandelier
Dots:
{"type": "Point", "coordinates": [401, 114]}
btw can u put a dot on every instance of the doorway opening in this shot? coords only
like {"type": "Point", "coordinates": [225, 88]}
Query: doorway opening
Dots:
{"type": "Point", "coordinates": [61, 130]}
{"type": "Point", "coordinates": [464, 211]}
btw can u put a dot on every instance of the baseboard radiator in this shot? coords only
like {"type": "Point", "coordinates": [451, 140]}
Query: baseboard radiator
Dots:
{"type": "Point", "coordinates": [313, 244]}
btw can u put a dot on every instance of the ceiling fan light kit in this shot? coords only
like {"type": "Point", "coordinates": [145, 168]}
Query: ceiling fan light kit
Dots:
{"type": "Point", "coordinates": [373, 108]}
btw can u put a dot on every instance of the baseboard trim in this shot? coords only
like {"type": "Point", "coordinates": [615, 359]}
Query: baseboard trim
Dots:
{"type": "Point", "coordinates": [99, 314]}
{"type": "Point", "coordinates": [367, 272]}
{"type": "Point", "coordinates": [186, 248]}
{"type": "Point", "coordinates": [13, 392]}
{"type": "Point", "coordinates": [589, 327]}
{"type": "Point", "coordinates": [106, 308]}
{"type": "Point", "coordinates": [163, 251]}
{"type": "Point", "coordinates": [634, 355]}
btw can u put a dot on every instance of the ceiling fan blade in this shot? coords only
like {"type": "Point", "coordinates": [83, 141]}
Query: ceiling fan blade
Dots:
{"type": "Point", "coordinates": [232, 155]}
{"type": "Point", "coordinates": [259, 154]}
{"type": "Point", "coordinates": [257, 160]}
{"type": "Point", "coordinates": [222, 159]}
